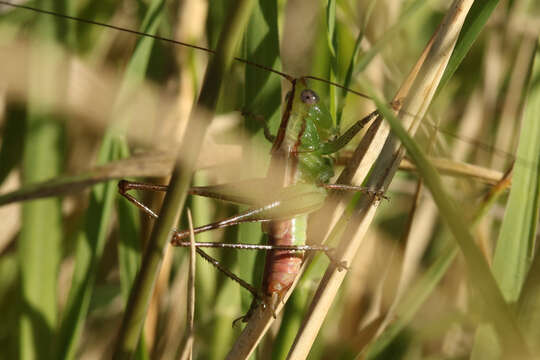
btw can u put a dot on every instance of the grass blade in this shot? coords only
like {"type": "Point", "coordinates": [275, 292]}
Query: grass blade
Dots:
{"type": "Point", "coordinates": [129, 245]}
{"type": "Point", "coordinates": [90, 245]}
{"type": "Point", "coordinates": [414, 297]}
{"type": "Point", "coordinates": [262, 96]}
{"type": "Point", "coordinates": [389, 35]}
{"type": "Point", "coordinates": [514, 250]}
{"type": "Point", "coordinates": [529, 306]}
{"type": "Point", "coordinates": [39, 244]}
{"type": "Point", "coordinates": [181, 178]}
{"type": "Point", "coordinates": [417, 91]}
{"type": "Point", "coordinates": [529, 301]}
{"type": "Point", "coordinates": [515, 244]}
{"type": "Point", "coordinates": [92, 239]}
{"type": "Point", "coordinates": [474, 24]}
{"type": "Point", "coordinates": [499, 312]}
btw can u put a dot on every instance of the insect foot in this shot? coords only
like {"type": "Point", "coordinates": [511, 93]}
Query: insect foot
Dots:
{"type": "Point", "coordinates": [339, 264]}
{"type": "Point", "coordinates": [245, 318]}
{"type": "Point", "coordinates": [377, 195]}
{"type": "Point", "coordinates": [258, 303]}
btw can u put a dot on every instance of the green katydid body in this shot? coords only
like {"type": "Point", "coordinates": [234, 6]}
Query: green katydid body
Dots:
{"type": "Point", "coordinates": [299, 156]}
{"type": "Point", "coordinates": [308, 137]}
{"type": "Point", "coordinates": [294, 187]}
{"type": "Point", "coordinates": [300, 168]}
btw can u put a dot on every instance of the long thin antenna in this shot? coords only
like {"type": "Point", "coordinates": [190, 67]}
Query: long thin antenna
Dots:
{"type": "Point", "coordinates": [177, 42]}
{"type": "Point", "coordinates": [139, 33]}
{"type": "Point", "coordinates": [247, 62]}
{"type": "Point", "coordinates": [337, 85]}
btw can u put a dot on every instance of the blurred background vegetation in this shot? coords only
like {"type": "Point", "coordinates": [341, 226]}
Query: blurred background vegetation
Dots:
{"type": "Point", "coordinates": [82, 105]}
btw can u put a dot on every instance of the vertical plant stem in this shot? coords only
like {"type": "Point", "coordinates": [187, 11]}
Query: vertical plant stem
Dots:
{"type": "Point", "coordinates": [39, 245]}
{"type": "Point", "coordinates": [91, 239]}
{"type": "Point", "coordinates": [416, 92]}
{"type": "Point", "coordinates": [219, 65]}
{"type": "Point", "coordinates": [187, 352]}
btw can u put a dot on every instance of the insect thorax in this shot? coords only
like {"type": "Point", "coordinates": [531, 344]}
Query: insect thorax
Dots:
{"type": "Point", "coordinates": [310, 125]}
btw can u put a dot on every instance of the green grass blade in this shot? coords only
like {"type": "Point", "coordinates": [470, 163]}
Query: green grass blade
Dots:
{"type": "Point", "coordinates": [138, 64]}
{"type": "Point", "coordinates": [515, 245]}
{"type": "Point", "coordinates": [174, 200]}
{"type": "Point", "coordinates": [39, 242]}
{"type": "Point", "coordinates": [529, 301]}
{"type": "Point", "coordinates": [331, 39]}
{"type": "Point", "coordinates": [261, 98]}
{"type": "Point", "coordinates": [39, 245]}
{"type": "Point", "coordinates": [529, 306]}
{"type": "Point", "coordinates": [357, 42]}
{"type": "Point", "coordinates": [354, 58]}
{"type": "Point", "coordinates": [497, 310]}
{"type": "Point", "coordinates": [129, 244]}
{"type": "Point", "coordinates": [424, 286]}
{"type": "Point", "coordinates": [90, 244]}
{"type": "Point", "coordinates": [9, 268]}
{"type": "Point", "coordinates": [262, 92]}
{"type": "Point", "coordinates": [473, 26]}
{"type": "Point", "coordinates": [389, 35]}
{"type": "Point", "coordinates": [262, 95]}
{"type": "Point", "coordinates": [92, 239]}
{"type": "Point", "coordinates": [206, 279]}
{"type": "Point", "coordinates": [514, 251]}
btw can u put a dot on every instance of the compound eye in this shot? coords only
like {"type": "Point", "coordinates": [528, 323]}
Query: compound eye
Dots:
{"type": "Point", "coordinates": [309, 97]}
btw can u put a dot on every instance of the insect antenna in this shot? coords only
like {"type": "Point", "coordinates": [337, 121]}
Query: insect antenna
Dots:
{"type": "Point", "coordinates": [181, 43]}
{"type": "Point", "coordinates": [284, 75]}
{"type": "Point", "coordinates": [316, 78]}
{"type": "Point", "coordinates": [140, 34]}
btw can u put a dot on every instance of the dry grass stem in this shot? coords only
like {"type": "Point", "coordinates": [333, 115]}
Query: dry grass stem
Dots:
{"type": "Point", "coordinates": [416, 92]}
{"type": "Point", "coordinates": [158, 164]}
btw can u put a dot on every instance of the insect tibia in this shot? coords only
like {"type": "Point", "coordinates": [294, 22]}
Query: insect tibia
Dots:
{"type": "Point", "coordinates": [124, 186]}
{"type": "Point", "coordinates": [229, 274]}
{"type": "Point", "coordinates": [337, 144]}
{"type": "Point", "coordinates": [376, 194]}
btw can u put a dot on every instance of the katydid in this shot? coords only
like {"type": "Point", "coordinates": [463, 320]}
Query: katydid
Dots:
{"type": "Point", "coordinates": [297, 183]}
